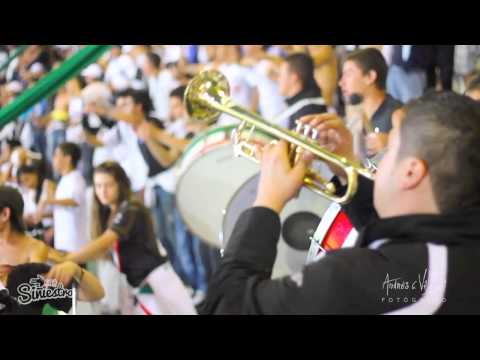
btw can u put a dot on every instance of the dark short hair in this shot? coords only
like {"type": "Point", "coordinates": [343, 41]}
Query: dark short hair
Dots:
{"type": "Point", "coordinates": [36, 169]}
{"type": "Point", "coordinates": [179, 92]}
{"type": "Point", "coordinates": [371, 59]}
{"type": "Point", "coordinates": [302, 65]}
{"type": "Point", "coordinates": [72, 150]}
{"type": "Point", "coordinates": [154, 59]}
{"type": "Point", "coordinates": [443, 129]}
{"type": "Point", "coordinates": [12, 199]}
{"type": "Point", "coordinates": [139, 97]}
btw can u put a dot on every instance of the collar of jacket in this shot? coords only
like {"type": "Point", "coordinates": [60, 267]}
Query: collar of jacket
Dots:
{"type": "Point", "coordinates": [459, 228]}
{"type": "Point", "coordinates": [310, 92]}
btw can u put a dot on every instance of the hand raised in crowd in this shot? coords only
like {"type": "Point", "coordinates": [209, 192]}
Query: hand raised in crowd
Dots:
{"type": "Point", "coordinates": [279, 180]}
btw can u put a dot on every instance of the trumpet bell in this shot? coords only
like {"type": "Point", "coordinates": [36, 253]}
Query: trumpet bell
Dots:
{"type": "Point", "coordinates": [209, 83]}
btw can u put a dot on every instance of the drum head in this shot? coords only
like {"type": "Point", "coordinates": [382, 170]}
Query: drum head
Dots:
{"type": "Point", "coordinates": [205, 188]}
{"type": "Point", "coordinates": [299, 219]}
{"type": "Point", "coordinates": [208, 175]}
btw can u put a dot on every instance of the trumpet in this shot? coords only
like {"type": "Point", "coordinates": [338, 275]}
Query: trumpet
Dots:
{"type": "Point", "coordinates": [207, 97]}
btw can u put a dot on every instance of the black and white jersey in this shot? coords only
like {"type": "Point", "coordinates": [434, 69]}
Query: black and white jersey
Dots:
{"type": "Point", "coordinates": [137, 249]}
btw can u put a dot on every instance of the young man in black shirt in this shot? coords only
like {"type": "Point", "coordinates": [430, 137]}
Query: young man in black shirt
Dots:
{"type": "Point", "coordinates": [418, 249]}
{"type": "Point", "coordinates": [365, 75]}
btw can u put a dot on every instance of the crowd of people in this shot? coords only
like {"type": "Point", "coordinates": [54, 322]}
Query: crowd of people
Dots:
{"type": "Point", "coordinates": [95, 163]}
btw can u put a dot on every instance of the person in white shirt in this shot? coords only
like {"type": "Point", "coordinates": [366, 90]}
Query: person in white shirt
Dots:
{"type": "Point", "coordinates": [264, 77]}
{"type": "Point", "coordinates": [160, 84]}
{"type": "Point", "coordinates": [121, 65]}
{"type": "Point", "coordinates": [69, 202]}
{"type": "Point", "coordinates": [122, 140]}
{"type": "Point", "coordinates": [242, 91]}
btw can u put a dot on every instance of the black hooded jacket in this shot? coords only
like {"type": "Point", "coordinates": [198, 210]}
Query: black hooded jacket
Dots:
{"type": "Point", "coordinates": [420, 264]}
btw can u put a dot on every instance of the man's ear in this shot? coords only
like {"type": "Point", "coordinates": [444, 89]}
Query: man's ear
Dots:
{"type": "Point", "coordinates": [5, 214]}
{"type": "Point", "coordinates": [412, 172]}
{"type": "Point", "coordinates": [372, 77]}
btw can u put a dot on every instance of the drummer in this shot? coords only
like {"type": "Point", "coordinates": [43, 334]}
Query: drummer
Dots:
{"type": "Point", "coordinates": [125, 225]}
{"type": "Point", "coordinates": [176, 136]}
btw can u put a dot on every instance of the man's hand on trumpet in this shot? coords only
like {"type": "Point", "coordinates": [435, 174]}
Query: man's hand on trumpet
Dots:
{"type": "Point", "coordinates": [334, 136]}
{"type": "Point", "coordinates": [279, 180]}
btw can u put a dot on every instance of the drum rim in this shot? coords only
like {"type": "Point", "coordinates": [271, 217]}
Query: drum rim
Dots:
{"type": "Point", "coordinates": [187, 223]}
{"type": "Point", "coordinates": [202, 135]}
{"type": "Point", "coordinates": [225, 211]}
{"type": "Point", "coordinates": [182, 173]}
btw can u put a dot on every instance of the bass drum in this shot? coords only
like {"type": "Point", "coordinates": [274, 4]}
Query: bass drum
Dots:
{"type": "Point", "coordinates": [334, 232]}
{"type": "Point", "coordinates": [208, 175]}
{"type": "Point", "coordinates": [299, 220]}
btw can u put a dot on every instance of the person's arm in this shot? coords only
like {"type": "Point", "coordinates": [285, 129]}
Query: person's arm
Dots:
{"type": "Point", "coordinates": [90, 288]}
{"type": "Point", "coordinates": [115, 114]}
{"type": "Point", "coordinates": [321, 54]}
{"type": "Point", "coordinates": [147, 131]}
{"type": "Point", "coordinates": [39, 252]}
{"type": "Point", "coordinates": [73, 198]}
{"type": "Point", "coordinates": [95, 249]}
{"type": "Point", "coordinates": [166, 157]}
{"type": "Point", "coordinates": [93, 140]}
{"type": "Point", "coordinates": [62, 202]}
{"type": "Point", "coordinates": [251, 250]}
{"type": "Point", "coordinates": [171, 141]}
{"type": "Point", "coordinates": [255, 99]}
{"type": "Point", "coordinates": [243, 284]}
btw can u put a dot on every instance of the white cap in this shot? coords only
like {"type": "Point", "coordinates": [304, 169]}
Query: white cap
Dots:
{"type": "Point", "coordinates": [37, 68]}
{"type": "Point", "coordinates": [93, 71]}
{"type": "Point", "coordinates": [14, 87]}
{"type": "Point", "coordinates": [97, 92]}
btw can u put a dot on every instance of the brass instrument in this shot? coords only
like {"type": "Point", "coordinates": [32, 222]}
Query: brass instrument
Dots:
{"type": "Point", "coordinates": [207, 96]}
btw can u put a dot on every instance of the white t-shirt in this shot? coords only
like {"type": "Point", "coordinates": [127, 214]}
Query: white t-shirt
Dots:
{"type": "Point", "coordinates": [30, 206]}
{"type": "Point", "coordinates": [70, 223]}
{"type": "Point", "coordinates": [106, 152]}
{"type": "Point", "coordinates": [133, 163]}
{"type": "Point", "coordinates": [75, 110]}
{"type": "Point", "coordinates": [241, 90]}
{"type": "Point", "coordinates": [271, 102]}
{"type": "Point", "coordinates": [159, 89]}
{"type": "Point", "coordinates": [123, 66]}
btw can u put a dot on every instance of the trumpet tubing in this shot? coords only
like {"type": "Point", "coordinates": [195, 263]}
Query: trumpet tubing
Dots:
{"type": "Point", "coordinates": [207, 97]}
